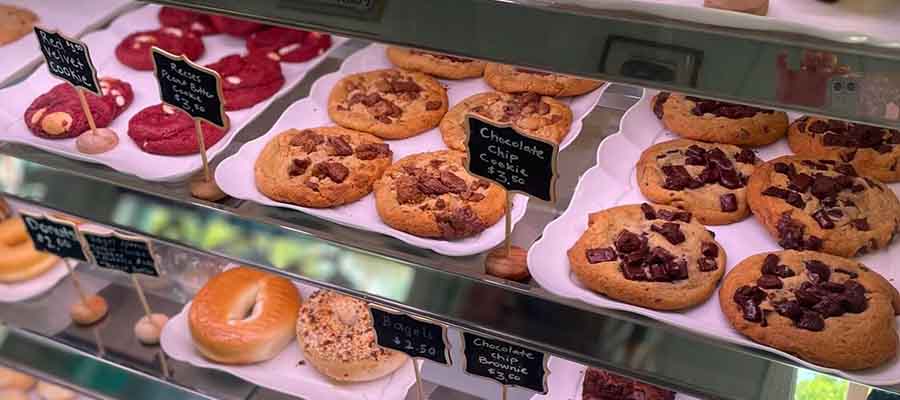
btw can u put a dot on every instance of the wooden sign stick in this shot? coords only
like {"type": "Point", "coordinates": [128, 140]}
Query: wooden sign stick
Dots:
{"type": "Point", "coordinates": [503, 392]}
{"type": "Point", "coordinates": [202, 142]}
{"type": "Point", "coordinates": [508, 223]}
{"type": "Point", "coordinates": [101, 351]}
{"type": "Point", "coordinates": [419, 389]}
{"type": "Point", "coordinates": [87, 110]}
{"type": "Point", "coordinates": [146, 305]}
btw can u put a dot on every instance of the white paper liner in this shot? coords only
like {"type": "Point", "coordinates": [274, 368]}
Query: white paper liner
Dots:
{"type": "Point", "coordinates": [127, 157]}
{"type": "Point", "coordinates": [614, 173]}
{"type": "Point", "coordinates": [236, 177]}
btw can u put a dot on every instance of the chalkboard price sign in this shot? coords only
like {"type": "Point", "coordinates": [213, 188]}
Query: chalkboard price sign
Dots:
{"type": "Point", "coordinates": [193, 88]}
{"type": "Point", "coordinates": [54, 236]}
{"type": "Point", "coordinates": [130, 255]}
{"type": "Point", "coordinates": [68, 59]}
{"type": "Point", "coordinates": [514, 160]}
{"type": "Point", "coordinates": [414, 336]}
{"type": "Point", "coordinates": [505, 363]}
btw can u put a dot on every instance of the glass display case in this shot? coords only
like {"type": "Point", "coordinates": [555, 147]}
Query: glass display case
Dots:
{"type": "Point", "coordinates": [651, 197]}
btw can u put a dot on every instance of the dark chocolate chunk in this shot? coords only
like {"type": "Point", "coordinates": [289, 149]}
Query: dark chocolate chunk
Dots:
{"type": "Point", "coordinates": [829, 307]}
{"type": "Point", "coordinates": [746, 156]}
{"type": "Point", "coordinates": [677, 269]}
{"type": "Point", "coordinates": [298, 167]}
{"type": "Point", "coordinates": [458, 223]}
{"type": "Point", "coordinates": [786, 169]}
{"type": "Point", "coordinates": [454, 183]}
{"type": "Point", "coordinates": [846, 169]}
{"type": "Point", "coordinates": [769, 282]}
{"type": "Point", "coordinates": [800, 182]}
{"type": "Point", "coordinates": [817, 270]}
{"type": "Point", "coordinates": [823, 219]}
{"type": "Point", "coordinates": [728, 202]}
{"type": "Point", "coordinates": [861, 224]}
{"type": "Point", "coordinates": [678, 178]}
{"type": "Point", "coordinates": [339, 147]}
{"type": "Point", "coordinates": [807, 294]}
{"type": "Point", "coordinates": [658, 104]}
{"type": "Point", "coordinates": [649, 212]}
{"type": "Point", "coordinates": [667, 215]}
{"type": "Point", "coordinates": [811, 321]}
{"type": "Point", "coordinates": [824, 186]}
{"type": "Point", "coordinates": [709, 249]}
{"type": "Point", "coordinates": [790, 309]}
{"type": "Point", "coordinates": [604, 254]}
{"type": "Point", "coordinates": [851, 274]}
{"type": "Point", "coordinates": [707, 264]}
{"type": "Point", "coordinates": [671, 231]}
{"type": "Point", "coordinates": [371, 151]}
{"type": "Point", "coordinates": [627, 242]}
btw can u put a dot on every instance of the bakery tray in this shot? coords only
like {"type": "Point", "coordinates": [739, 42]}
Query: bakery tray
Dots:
{"type": "Point", "coordinates": [614, 174]}
{"type": "Point", "coordinates": [236, 175]}
{"type": "Point", "coordinates": [127, 157]}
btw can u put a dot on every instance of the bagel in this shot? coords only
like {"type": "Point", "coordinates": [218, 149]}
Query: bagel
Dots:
{"type": "Point", "coordinates": [19, 261]}
{"type": "Point", "coordinates": [244, 316]}
{"type": "Point", "coordinates": [49, 391]}
{"type": "Point", "coordinates": [15, 380]}
{"type": "Point", "coordinates": [336, 336]}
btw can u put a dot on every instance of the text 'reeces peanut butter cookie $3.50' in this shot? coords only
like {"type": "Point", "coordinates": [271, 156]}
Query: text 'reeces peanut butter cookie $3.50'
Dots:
{"type": "Point", "coordinates": [823, 205]}
{"type": "Point", "coordinates": [389, 103]}
{"type": "Point", "coordinates": [825, 309]}
{"type": "Point", "coordinates": [657, 257]}
{"type": "Point", "coordinates": [432, 195]}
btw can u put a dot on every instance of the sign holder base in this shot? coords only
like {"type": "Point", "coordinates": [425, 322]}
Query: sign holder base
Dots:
{"type": "Point", "coordinates": [204, 187]}
{"type": "Point", "coordinates": [149, 315]}
{"type": "Point", "coordinates": [101, 351]}
{"type": "Point", "coordinates": [419, 390]}
{"type": "Point", "coordinates": [508, 262]}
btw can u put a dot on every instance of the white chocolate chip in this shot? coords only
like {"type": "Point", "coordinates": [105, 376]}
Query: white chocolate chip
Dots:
{"type": "Point", "coordinates": [173, 31]}
{"type": "Point", "coordinates": [168, 109]}
{"type": "Point", "coordinates": [145, 39]}
{"type": "Point", "coordinates": [115, 92]}
{"type": "Point", "coordinates": [233, 80]}
{"type": "Point", "coordinates": [56, 123]}
{"type": "Point", "coordinates": [273, 56]}
{"type": "Point", "coordinates": [120, 101]}
{"type": "Point", "coordinates": [136, 46]}
{"type": "Point", "coordinates": [196, 26]}
{"type": "Point", "coordinates": [289, 48]}
{"type": "Point", "coordinates": [37, 115]}
{"type": "Point", "coordinates": [104, 89]}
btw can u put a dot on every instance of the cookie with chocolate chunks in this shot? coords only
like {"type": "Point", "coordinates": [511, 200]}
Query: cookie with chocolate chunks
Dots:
{"type": "Point", "coordinates": [825, 309]}
{"type": "Point", "coordinates": [717, 121]}
{"type": "Point", "coordinates": [438, 65]}
{"type": "Point", "coordinates": [432, 195]}
{"type": "Point", "coordinates": [389, 103]}
{"type": "Point", "coordinates": [512, 79]}
{"type": "Point", "coordinates": [823, 205]}
{"type": "Point", "coordinates": [707, 179]}
{"type": "Point", "coordinates": [651, 256]}
{"type": "Point", "coordinates": [321, 167]}
{"type": "Point", "coordinates": [872, 150]}
{"type": "Point", "coordinates": [539, 116]}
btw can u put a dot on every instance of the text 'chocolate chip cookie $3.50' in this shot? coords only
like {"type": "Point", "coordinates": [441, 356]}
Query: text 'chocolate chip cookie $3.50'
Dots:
{"type": "Point", "coordinates": [657, 257]}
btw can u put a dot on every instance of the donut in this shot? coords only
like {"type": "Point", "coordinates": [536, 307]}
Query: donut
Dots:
{"type": "Point", "coordinates": [90, 311]}
{"type": "Point", "coordinates": [19, 261]}
{"type": "Point", "coordinates": [11, 379]}
{"type": "Point", "coordinates": [336, 336]}
{"type": "Point", "coordinates": [244, 316]}
{"type": "Point", "coordinates": [49, 391]}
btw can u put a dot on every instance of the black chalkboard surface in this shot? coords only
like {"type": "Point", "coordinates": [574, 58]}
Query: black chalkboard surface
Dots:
{"type": "Point", "coordinates": [54, 236]}
{"type": "Point", "coordinates": [195, 89]}
{"type": "Point", "coordinates": [518, 162]}
{"type": "Point", "coordinates": [414, 336]}
{"type": "Point", "coordinates": [130, 255]}
{"type": "Point", "coordinates": [68, 59]}
{"type": "Point", "coordinates": [505, 363]}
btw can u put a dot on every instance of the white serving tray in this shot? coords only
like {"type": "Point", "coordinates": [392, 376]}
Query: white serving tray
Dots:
{"type": "Point", "coordinates": [566, 381]}
{"type": "Point", "coordinates": [74, 18]}
{"type": "Point", "coordinates": [873, 22]}
{"type": "Point", "coordinates": [236, 177]}
{"type": "Point", "coordinates": [284, 372]}
{"type": "Point", "coordinates": [15, 292]}
{"type": "Point", "coordinates": [127, 157]}
{"type": "Point", "coordinates": [614, 172]}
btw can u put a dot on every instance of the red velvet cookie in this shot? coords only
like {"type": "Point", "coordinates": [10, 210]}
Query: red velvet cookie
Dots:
{"type": "Point", "coordinates": [235, 26]}
{"type": "Point", "coordinates": [134, 50]}
{"type": "Point", "coordinates": [117, 94]}
{"type": "Point", "coordinates": [57, 114]}
{"type": "Point", "coordinates": [166, 130]}
{"type": "Point", "coordinates": [288, 45]}
{"type": "Point", "coordinates": [247, 80]}
{"type": "Point", "coordinates": [191, 21]}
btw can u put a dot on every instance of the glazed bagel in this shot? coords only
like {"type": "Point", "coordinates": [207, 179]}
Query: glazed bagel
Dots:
{"type": "Point", "coordinates": [244, 316]}
{"type": "Point", "coordinates": [336, 336]}
{"type": "Point", "coordinates": [19, 261]}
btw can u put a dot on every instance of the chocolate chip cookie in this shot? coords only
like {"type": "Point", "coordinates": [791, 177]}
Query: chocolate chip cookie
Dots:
{"type": "Point", "coordinates": [872, 150]}
{"type": "Point", "coordinates": [657, 257]}
{"type": "Point", "coordinates": [510, 79]}
{"type": "Point", "coordinates": [432, 195]}
{"type": "Point", "coordinates": [15, 22]}
{"type": "Point", "coordinates": [825, 309]}
{"type": "Point", "coordinates": [439, 65]}
{"type": "Point", "coordinates": [389, 103]}
{"type": "Point", "coordinates": [717, 121]}
{"type": "Point", "coordinates": [707, 179]}
{"type": "Point", "coordinates": [536, 115]}
{"type": "Point", "coordinates": [824, 205]}
{"type": "Point", "coordinates": [321, 167]}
